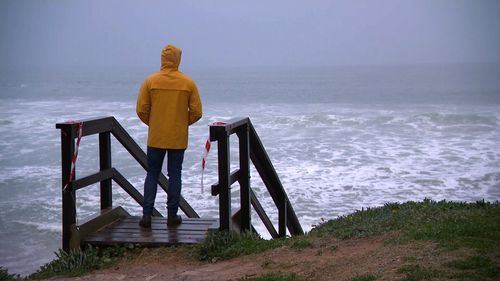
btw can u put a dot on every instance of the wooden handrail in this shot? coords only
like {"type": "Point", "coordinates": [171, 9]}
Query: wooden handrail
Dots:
{"type": "Point", "coordinates": [104, 126]}
{"type": "Point", "coordinates": [250, 148]}
{"type": "Point", "coordinates": [140, 156]}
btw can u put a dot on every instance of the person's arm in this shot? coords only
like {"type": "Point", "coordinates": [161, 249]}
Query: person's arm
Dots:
{"type": "Point", "coordinates": [143, 107]}
{"type": "Point", "coordinates": [195, 108]}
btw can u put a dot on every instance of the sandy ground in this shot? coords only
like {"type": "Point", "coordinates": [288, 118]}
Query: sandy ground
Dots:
{"type": "Point", "coordinates": [325, 260]}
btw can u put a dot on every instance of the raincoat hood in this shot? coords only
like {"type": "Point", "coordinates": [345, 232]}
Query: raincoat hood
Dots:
{"type": "Point", "coordinates": [170, 57]}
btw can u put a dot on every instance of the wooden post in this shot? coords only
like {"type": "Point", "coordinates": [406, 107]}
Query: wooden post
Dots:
{"type": "Point", "coordinates": [244, 178]}
{"type": "Point", "coordinates": [104, 164]}
{"type": "Point", "coordinates": [282, 217]}
{"type": "Point", "coordinates": [224, 180]}
{"type": "Point", "coordinates": [68, 194]}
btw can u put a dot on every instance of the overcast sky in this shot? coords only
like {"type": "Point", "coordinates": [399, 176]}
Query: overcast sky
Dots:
{"type": "Point", "coordinates": [233, 33]}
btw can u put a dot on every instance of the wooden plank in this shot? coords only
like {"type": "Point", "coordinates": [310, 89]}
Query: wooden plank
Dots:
{"type": "Point", "coordinates": [68, 194]}
{"type": "Point", "coordinates": [150, 242]}
{"type": "Point", "coordinates": [147, 234]}
{"type": "Point", "coordinates": [144, 239]}
{"type": "Point", "coordinates": [90, 126]}
{"type": "Point", "coordinates": [224, 180]}
{"type": "Point", "coordinates": [127, 231]}
{"type": "Point", "coordinates": [105, 163]}
{"type": "Point", "coordinates": [262, 214]}
{"type": "Point", "coordinates": [164, 235]}
{"type": "Point", "coordinates": [92, 179]}
{"type": "Point", "coordinates": [233, 177]}
{"type": "Point", "coordinates": [129, 239]}
{"type": "Point", "coordinates": [149, 231]}
{"type": "Point", "coordinates": [122, 228]}
{"type": "Point", "coordinates": [100, 221]}
{"type": "Point", "coordinates": [112, 229]}
{"type": "Point", "coordinates": [244, 178]}
{"type": "Point", "coordinates": [184, 220]}
{"type": "Point", "coordinates": [135, 225]}
{"type": "Point", "coordinates": [268, 174]}
{"type": "Point", "coordinates": [122, 224]}
{"type": "Point", "coordinates": [125, 235]}
{"type": "Point", "coordinates": [162, 220]}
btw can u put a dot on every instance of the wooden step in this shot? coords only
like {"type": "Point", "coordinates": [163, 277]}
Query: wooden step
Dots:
{"type": "Point", "coordinates": [127, 230]}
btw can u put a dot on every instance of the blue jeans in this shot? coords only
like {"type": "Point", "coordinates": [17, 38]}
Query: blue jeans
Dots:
{"type": "Point", "coordinates": [174, 168]}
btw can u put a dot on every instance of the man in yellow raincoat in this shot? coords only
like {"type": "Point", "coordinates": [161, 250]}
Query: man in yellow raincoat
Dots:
{"type": "Point", "coordinates": [168, 103]}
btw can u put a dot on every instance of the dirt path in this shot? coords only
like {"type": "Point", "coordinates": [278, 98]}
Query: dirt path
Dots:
{"type": "Point", "coordinates": [325, 260]}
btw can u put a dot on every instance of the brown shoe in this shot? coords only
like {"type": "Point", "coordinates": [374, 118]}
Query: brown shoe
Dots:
{"type": "Point", "coordinates": [145, 221]}
{"type": "Point", "coordinates": [174, 220]}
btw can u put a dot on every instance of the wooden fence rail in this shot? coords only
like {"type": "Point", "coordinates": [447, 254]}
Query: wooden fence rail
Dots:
{"type": "Point", "coordinates": [105, 127]}
{"type": "Point", "coordinates": [250, 148]}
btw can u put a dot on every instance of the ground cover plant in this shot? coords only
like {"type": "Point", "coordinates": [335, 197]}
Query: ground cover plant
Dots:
{"type": "Point", "coordinates": [78, 262]}
{"type": "Point", "coordinates": [452, 225]}
{"type": "Point", "coordinates": [460, 240]}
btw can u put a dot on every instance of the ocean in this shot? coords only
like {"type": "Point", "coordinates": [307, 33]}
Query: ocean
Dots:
{"type": "Point", "coordinates": [340, 138]}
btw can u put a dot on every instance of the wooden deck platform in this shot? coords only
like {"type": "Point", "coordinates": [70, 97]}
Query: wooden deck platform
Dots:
{"type": "Point", "coordinates": [127, 230]}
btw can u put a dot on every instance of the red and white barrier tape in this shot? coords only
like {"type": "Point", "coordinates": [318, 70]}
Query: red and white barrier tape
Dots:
{"type": "Point", "coordinates": [208, 145]}
{"type": "Point", "coordinates": [75, 153]}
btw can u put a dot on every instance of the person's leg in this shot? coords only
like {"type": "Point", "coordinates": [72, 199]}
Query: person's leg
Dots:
{"type": "Point", "coordinates": [175, 159]}
{"type": "Point", "coordinates": [155, 163]}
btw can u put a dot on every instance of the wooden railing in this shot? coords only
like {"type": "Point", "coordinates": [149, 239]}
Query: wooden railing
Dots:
{"type": "Point", "coordinates": [250, 148]}
{"type": "Point", "coordinates": [105, 127]}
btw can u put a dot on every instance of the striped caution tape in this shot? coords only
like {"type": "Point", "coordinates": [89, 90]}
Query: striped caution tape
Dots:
{"type": "Point", "coordinates": [75, 153]}
{"type": "Point", "coordinates": [208, 145]}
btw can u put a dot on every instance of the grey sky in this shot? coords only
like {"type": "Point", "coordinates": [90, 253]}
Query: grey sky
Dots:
{"type": "Point", "coordinates": [232, 33]}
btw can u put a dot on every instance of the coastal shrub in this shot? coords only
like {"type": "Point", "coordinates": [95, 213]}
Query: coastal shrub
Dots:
{"type": "Point", "coordinates": [79, 262]}
{"type": "Point", "coordinates": [5, 276]}
{"type": "Point", "coordinates": [221, 245]}
{"type": "Point", "coordinates": [74, 263]}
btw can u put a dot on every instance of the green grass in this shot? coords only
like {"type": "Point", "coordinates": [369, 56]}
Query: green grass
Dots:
{"type": "Point", "coordinates": [451, 224]}
{"type": "Point", "coordinates": [364, 277]}
{"type": "Point", "coordinates": [417, 273]}
{"type": "Point", "coordinates": [274, 277]}
{"type": "Point", "coordinates": [221, 245]}
{"type": "Point", "coordinates": [299, 242]}
{"type": "Point", "coordinates": [475, 268]}
{"type": "Point", "coordinates": [78, 263]}
{"type": "Point", "coordinates": [5, 276]}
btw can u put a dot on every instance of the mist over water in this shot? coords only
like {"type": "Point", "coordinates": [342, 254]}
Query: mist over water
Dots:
{"type": "Point", "coordinates": [340, 138]}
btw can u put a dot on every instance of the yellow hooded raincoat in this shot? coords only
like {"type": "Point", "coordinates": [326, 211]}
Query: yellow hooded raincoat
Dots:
{"type": "Point", "coordinates": [168, 103]}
